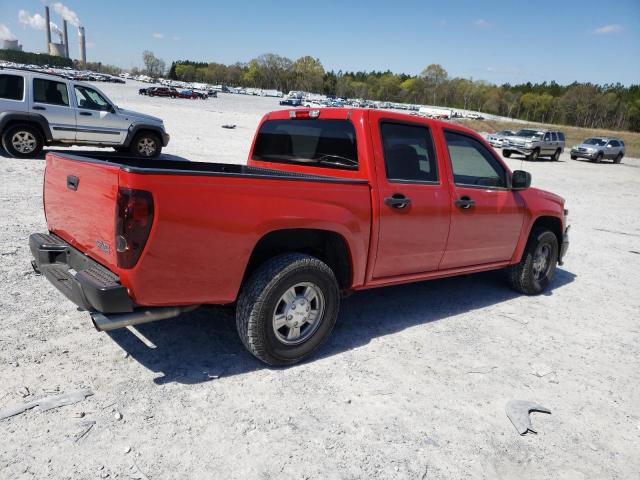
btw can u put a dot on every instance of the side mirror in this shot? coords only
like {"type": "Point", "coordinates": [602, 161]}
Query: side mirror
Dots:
{"type": "Point", "coordinates": [520, 180]}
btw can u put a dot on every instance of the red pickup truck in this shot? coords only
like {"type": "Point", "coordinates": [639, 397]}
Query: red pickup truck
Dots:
{"type": "Point", "coordinates": [331, 201]}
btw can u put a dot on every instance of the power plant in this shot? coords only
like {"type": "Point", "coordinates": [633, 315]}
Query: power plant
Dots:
{"type": "Point", "coordinates": [11, 45]}
{"type": "Point", "coordinates": [61, 49]}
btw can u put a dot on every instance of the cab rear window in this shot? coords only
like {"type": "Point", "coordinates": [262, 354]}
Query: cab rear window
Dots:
{"type": "Point", "coordinates": [313, 142]}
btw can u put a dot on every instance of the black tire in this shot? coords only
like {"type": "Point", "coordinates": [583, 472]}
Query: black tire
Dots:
{"type": "Point", "coordinates": [599, 157]}
{"type": "Point", "coordinates": [556, 155]}
{"type": "Point", "coordinates": [573, 157]}
{"type": "Point", "coordinates": [506, 153]}
{"type": "Point", "coordinates": [533, 156]}
{"type": "Point", "coordinates": [141, 145]}
{"type": "Point", "coordinates": [523, 276]}
{"type": "Point", "coordinates": [30, 134]}
{"type": "Point", "coordinates": [618, 158]}
{"type": "Point", "coordinates": [261, 296]}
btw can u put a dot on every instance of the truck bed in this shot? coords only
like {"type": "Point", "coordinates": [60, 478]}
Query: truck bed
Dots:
{"type": "Point", "coordinates": [207, 219]}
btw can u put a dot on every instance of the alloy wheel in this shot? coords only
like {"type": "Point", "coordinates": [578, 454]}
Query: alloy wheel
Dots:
{"type": "Point", "coordinates": [298, 313]}
{"type": "Point", "coordinates": [24, 142]}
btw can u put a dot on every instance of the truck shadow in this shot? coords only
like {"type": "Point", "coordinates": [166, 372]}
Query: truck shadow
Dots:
{"type": "Point", "coordinates": [204, 345]}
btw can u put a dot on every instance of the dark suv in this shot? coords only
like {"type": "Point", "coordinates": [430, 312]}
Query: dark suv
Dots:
{"type": "Point", "coordinates": [162, 92]}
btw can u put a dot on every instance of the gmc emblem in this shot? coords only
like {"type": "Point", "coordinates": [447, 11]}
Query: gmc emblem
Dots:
{"type": "Point", "coordinates": [104, 246]}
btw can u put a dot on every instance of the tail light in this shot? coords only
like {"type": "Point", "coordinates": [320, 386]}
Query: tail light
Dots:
{"type": "Point", "coordinates": [134, 217]}
{"type": "Point", "coordinates": [304, 113]}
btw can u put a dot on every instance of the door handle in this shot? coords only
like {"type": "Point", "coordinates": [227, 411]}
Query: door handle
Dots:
{"type": "Point", "coordinates": [38, 107]}
{"type": "Point", "coordinates": [397, 201]}
{"type": "Point", "coordinates": [72, 182]}
{"type": "Point", "coordinates": [465, 202]}
{"type": "Point", "coordinates": [86, 114]}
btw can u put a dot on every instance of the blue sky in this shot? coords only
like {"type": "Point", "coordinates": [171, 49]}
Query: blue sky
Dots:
{"type": "Point", "coordinates": [497, 41]}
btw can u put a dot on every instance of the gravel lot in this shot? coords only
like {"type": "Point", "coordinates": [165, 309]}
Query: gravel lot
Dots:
{"type": "Point", "coordinates": [412, 384]}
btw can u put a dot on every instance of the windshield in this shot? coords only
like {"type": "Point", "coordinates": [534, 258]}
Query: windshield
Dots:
{"type": "Point", "coordinates": [528, 133]}
{"type": "Point", "coordinates": [327, 143]}
{"type": "Point", "coordinates": [595, 141]}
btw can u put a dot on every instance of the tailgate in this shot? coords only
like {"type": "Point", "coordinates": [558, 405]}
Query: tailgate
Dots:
{"type": "Point", "coordinates": [80, 204]}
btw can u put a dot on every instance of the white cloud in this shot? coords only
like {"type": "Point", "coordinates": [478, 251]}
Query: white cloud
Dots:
{"type": "Point", "coordinates": [607, 29]}
{"type": "Point", "coordinates": [5, 33]}
{"type": "Point", "coordinates": [37, 22]}
{"type": "Point", "coordinates": [66, 13]}
{"type": "Point", "coordinates": [159, 36]}
{"type": "Point", "coordinates": [481, 23]}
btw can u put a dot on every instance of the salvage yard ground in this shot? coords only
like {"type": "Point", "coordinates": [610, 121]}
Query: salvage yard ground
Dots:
{"type": "Point", "coordinates": [412, 384]}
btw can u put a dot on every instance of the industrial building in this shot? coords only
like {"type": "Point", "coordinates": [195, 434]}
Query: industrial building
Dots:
{"type": "Point", "coordinates": [62, 49]}
{"type": "Point", "coordinates": [11, 45]}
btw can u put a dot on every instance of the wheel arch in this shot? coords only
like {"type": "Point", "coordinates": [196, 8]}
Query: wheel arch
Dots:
{"type": "Point", "coordinates": [545, 220]}
{"type": "Point", "coordinates": [136, 129]}
{"type": "Point", "coordinates": [9, 119]}
{"type": "Point", "coordinates": [328, 246]}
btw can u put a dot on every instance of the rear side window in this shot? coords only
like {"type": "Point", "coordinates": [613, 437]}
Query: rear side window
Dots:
{"type": "Point", "coordinates": [614, 143]}
{"type": "Point", "coordinates": [321, 143]}
{"type": "Point", "coordinates": [554, 137]}
{"type": "Point", "coordinates": [50, 91]}
{"type": "Point", "coordinates": [472, 163]}
{"type": "Point", "coordinates": [561, 136]}
{"type": "Point", "coordinates": [408, 152]}
{"type": "Point", "coordinates": [11, 87]}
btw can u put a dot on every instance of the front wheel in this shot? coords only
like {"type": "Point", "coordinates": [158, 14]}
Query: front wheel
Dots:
{"type": "Point", "coordinates": [288, 308]}
{"type": "Point", "coordinates": [506, 153]}
{"type": "Point", "coordinates": [146, 145]}
{"type": "Point", "coordinates": [538, 264]}
{"type": "Point", "coordinates": [599, 157]}
{"type": "Point", "coordinates": [573, 157]}
{"type": "Point", "coordinates": [533, 156]}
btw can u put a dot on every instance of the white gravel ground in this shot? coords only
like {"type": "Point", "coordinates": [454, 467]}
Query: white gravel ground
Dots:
{"type": "Point", "coordinates": [412, 384]}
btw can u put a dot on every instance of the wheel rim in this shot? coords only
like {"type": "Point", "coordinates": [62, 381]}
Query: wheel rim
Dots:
{"type": "Point", "coordinates": [535, 155]}
{"type": "Point", "coordinates": [24, 142]}
{"type": "Point", "coordinates": [298, 313]}
{"type": "Point", "coordinates": [541, 262]}
{"type": "Point", "coordinates": [146, 146]}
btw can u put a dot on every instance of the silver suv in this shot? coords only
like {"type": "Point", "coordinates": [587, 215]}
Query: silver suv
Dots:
{"type": "Point", "coordinates": [598, 148]}
{"type": "Point", "coordinates": [38, 109]}
{"type": "Point", "coordinates": [534, 144]}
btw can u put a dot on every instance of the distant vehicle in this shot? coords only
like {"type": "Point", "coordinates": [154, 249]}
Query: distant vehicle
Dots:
{"type": "Point", "coordinates": [162, 92]}
{"type": "Point", "coordinates": [534, 144]}
{"type": "Point", "coordinates": [38, 109]}
{"type": "Point", "coordinates": [435, 112]}
{"type": "Point", "coordinates": [498, 138]}
{"type": "Point", "coordinates": [192, 94]}
{"type": "Point", "coordinates": [598, 148]}
{"type": "Point", "coordinates": [212, 93]}
{"type": "Point", "coordinates": [475, 116]}
{"type": "Point", "coordinates": [292, 102]}
{"type": "Point", "coordinates": [142, 91]}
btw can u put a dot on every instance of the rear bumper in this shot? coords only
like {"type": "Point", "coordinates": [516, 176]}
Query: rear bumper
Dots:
{"type": "Point", "coordinates": [81, 279]}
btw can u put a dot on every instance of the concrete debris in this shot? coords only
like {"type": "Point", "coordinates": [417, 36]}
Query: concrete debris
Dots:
{"type": "Point", "coordinates": [229, 126]}
{"type": "Point", "coordinates": [518, 413]}
{"type": "Point", "coordinates": [117, 416]}
{"type": "Point", "coordinates": [23, 392]}
{"type": "Point", "coordinates": [47, 403]}
{"type": "Point", "coordinates": [87, 426]}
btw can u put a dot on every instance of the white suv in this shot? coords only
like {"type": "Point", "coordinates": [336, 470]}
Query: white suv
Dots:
{"type": "Point", "coordinates": [38, 109]}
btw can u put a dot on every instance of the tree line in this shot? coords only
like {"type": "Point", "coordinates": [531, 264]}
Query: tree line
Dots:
{"type": "Point", "coordinates": [579, 104]}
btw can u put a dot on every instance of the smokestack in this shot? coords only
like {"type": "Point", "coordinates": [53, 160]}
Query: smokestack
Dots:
{"type": "Point", "coordinates": [83, 45]}
{"type": "Point", "coordinates": [48, 26]}
{"type": "Point", "coordinates": [65, 39]}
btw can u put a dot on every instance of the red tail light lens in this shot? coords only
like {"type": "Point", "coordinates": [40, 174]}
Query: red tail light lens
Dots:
{"type": "Point", "coordinates": [134, 218]}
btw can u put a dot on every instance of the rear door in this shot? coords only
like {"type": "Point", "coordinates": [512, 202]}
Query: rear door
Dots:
{"type": "Point", "coordinates": [97, 120]}
{"type": "Point", "coordinates": [486, 217]}
{"type": "Point", "coordinates": [50, 98]}
{"type": "Point", "coordinates": [80, 205]}
{"type": "Point", "coordinates": [414, 201]}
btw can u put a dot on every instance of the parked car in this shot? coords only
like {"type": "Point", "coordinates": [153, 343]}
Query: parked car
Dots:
{"type": "Point", "coordinates": [534, 144]}
{"type": "Point", "coordinates": [312, 216]}
{"type": "Point", "coordinates": [188, 94]}
{"type": "Point", "coordinates": [497, 139]}
{"type": "Point", "coordinates": [142, 91]}
{"type": "Point", "coordinates": [162, 92]}
{"type": "Point", "coordinates": [212, 93]}
{"type": "Point", "coordinates": [598, 148]}
{"type": "Point", "coordinates": [38, 109]}
{"type": "Point", "coordinates": [292, 102]}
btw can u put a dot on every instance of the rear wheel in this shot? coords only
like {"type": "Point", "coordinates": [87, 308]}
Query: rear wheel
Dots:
{"type": "Point", "coordinates": [556, 155]}
{"type": "Point", "coordinates": [22, 141]}
{"type": "Point", "coordinates": [506, 153]}
{"type": "Point", "coordinates": [618, 158]}
{"type": "Point", "coordinates": [533, 156]}
{"type": "Point", "coordinates": [573, 157]}
{"type": "Point", "coordinates": [538, 264]}
{"type": "Point", "coordinates": [146, 144]}
{"type": "Point", "coordinates": [287, 309]}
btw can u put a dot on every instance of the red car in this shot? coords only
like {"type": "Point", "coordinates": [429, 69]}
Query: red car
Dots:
{"type": "Point", "coordinates": [331, 201]}
{"type": "Point", "coordinates": [161, 92]}
{"type": "Point", "coordinates": [192, 94]}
